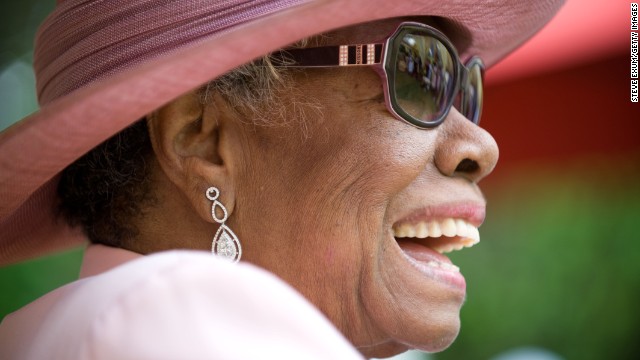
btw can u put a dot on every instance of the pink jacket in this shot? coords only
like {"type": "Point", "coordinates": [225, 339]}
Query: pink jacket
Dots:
{"type": "Point", "coordinates": [172, 305]}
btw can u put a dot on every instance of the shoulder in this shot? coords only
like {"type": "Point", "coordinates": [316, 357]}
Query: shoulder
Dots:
{"type": "Point", "coordinates": [184, 304]}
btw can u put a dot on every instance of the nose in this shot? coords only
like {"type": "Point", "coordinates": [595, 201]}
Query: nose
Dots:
{"type": "Point", "coordinates": [464, 149]}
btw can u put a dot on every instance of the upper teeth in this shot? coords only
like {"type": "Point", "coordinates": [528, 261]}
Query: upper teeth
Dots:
{"type": "Point", "coordinates": [435, 228]}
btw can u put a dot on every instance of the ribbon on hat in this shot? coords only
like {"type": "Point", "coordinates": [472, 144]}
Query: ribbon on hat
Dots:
{"type": "Point", "coordinates": [84, 41]}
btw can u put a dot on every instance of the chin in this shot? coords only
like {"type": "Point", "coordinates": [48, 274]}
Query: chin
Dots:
{"type": "Point", "coordinates": [385, 350]}
{"type": "Point", "coordinates": [411, 307]}
{"type": "Point", "coordinates": [432, 343]}
{"type": "Point", "coordinates": [437, 338]}
{"type": "Point", "coordinates": [442, 340]}
{"type": "Point", "coordinates": [433, 334]}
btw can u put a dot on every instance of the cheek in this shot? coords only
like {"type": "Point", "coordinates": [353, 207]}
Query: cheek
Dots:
{"type": "Point", "coordinates": [357, 143]}
{"type": "Point", "coordinates": [388, 153]}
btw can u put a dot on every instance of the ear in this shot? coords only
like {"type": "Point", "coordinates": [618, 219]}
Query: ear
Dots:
{"type": "Point", "coordinates": [185, 136]}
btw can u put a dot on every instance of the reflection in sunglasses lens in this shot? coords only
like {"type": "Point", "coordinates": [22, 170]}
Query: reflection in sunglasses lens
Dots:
{"type": "Point", "coordinates": [472, 94]}
{"type": "Point", "coordinates": [424, 76]}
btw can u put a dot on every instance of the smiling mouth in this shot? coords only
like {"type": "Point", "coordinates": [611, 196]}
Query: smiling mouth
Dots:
{"type": "Point", "coordinates": [439, 236]}
{"type": "Point", "coordinates": [442, 236]}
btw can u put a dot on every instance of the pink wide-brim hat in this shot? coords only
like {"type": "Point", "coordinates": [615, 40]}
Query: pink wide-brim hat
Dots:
{"type": "Point", "coordinates": [102, 65]}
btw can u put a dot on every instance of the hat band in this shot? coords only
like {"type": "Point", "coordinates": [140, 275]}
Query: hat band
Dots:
{"type": "Point", "coordinates": [114, 35]}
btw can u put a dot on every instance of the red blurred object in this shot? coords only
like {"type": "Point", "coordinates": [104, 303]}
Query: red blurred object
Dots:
{"type": "Point", "coordinates": [565, 95]}
{"type": "Point", "coordinates": [583, 31]}
{"type": "Point", "coordinates": [581, 111]}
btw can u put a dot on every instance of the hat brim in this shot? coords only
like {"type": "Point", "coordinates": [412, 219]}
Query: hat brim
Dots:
{"type": "Point", "coordinates": [36, 149]}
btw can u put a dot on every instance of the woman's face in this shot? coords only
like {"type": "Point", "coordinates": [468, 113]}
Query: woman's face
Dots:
{"type": "Point", "coordinates": [317, 203]}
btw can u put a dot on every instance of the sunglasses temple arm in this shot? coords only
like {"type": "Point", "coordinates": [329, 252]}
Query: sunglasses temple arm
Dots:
{"type": "Point", "coordinates": [329, 56]}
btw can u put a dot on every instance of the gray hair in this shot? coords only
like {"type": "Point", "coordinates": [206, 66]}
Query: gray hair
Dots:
{"type": "Point", "coordinates": [120, 167]}
{"type": "Point", "coordinates": [257, 89]}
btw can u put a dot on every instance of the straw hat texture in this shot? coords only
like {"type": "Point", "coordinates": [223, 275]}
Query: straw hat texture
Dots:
{"type": "Point", "coordinates": [103, 64]}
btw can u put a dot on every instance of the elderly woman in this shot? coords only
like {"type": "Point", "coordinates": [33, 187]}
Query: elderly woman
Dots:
{"type": "Point", "coordinates": [334, 170]}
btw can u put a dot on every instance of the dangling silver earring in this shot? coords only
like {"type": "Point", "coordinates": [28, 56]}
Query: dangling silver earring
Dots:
{"type": "Point", "coordinates": [225, 242]}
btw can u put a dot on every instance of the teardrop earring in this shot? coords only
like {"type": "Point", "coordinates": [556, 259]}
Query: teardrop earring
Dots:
{"type": "Point", "coordinates": [225, 242]}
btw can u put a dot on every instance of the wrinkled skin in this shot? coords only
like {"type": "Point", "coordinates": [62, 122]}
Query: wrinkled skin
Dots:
{"type": "Point", "coordinates": [315, 204]}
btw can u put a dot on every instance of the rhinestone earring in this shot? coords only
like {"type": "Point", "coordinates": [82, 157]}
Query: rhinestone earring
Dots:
{"type": "Point", "coordinates": [225, 242]}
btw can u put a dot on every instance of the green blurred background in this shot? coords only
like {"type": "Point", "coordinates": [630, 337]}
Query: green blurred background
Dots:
{"type": "Point", "coordinates": [558, 267]}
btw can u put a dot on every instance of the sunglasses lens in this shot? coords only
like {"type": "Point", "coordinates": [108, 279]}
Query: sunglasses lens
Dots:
{"type": "Point", "coordinates": [471, 101]}
{"type": "Point", "coordinates": [423, 84]}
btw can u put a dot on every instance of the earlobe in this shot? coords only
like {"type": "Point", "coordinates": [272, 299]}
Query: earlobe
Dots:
{"type": "Point", "coordinates": [185, 140]}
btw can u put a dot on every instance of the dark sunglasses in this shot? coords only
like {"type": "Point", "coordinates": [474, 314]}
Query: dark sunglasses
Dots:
{"type": "Point", "coordinates": [420, 68]}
